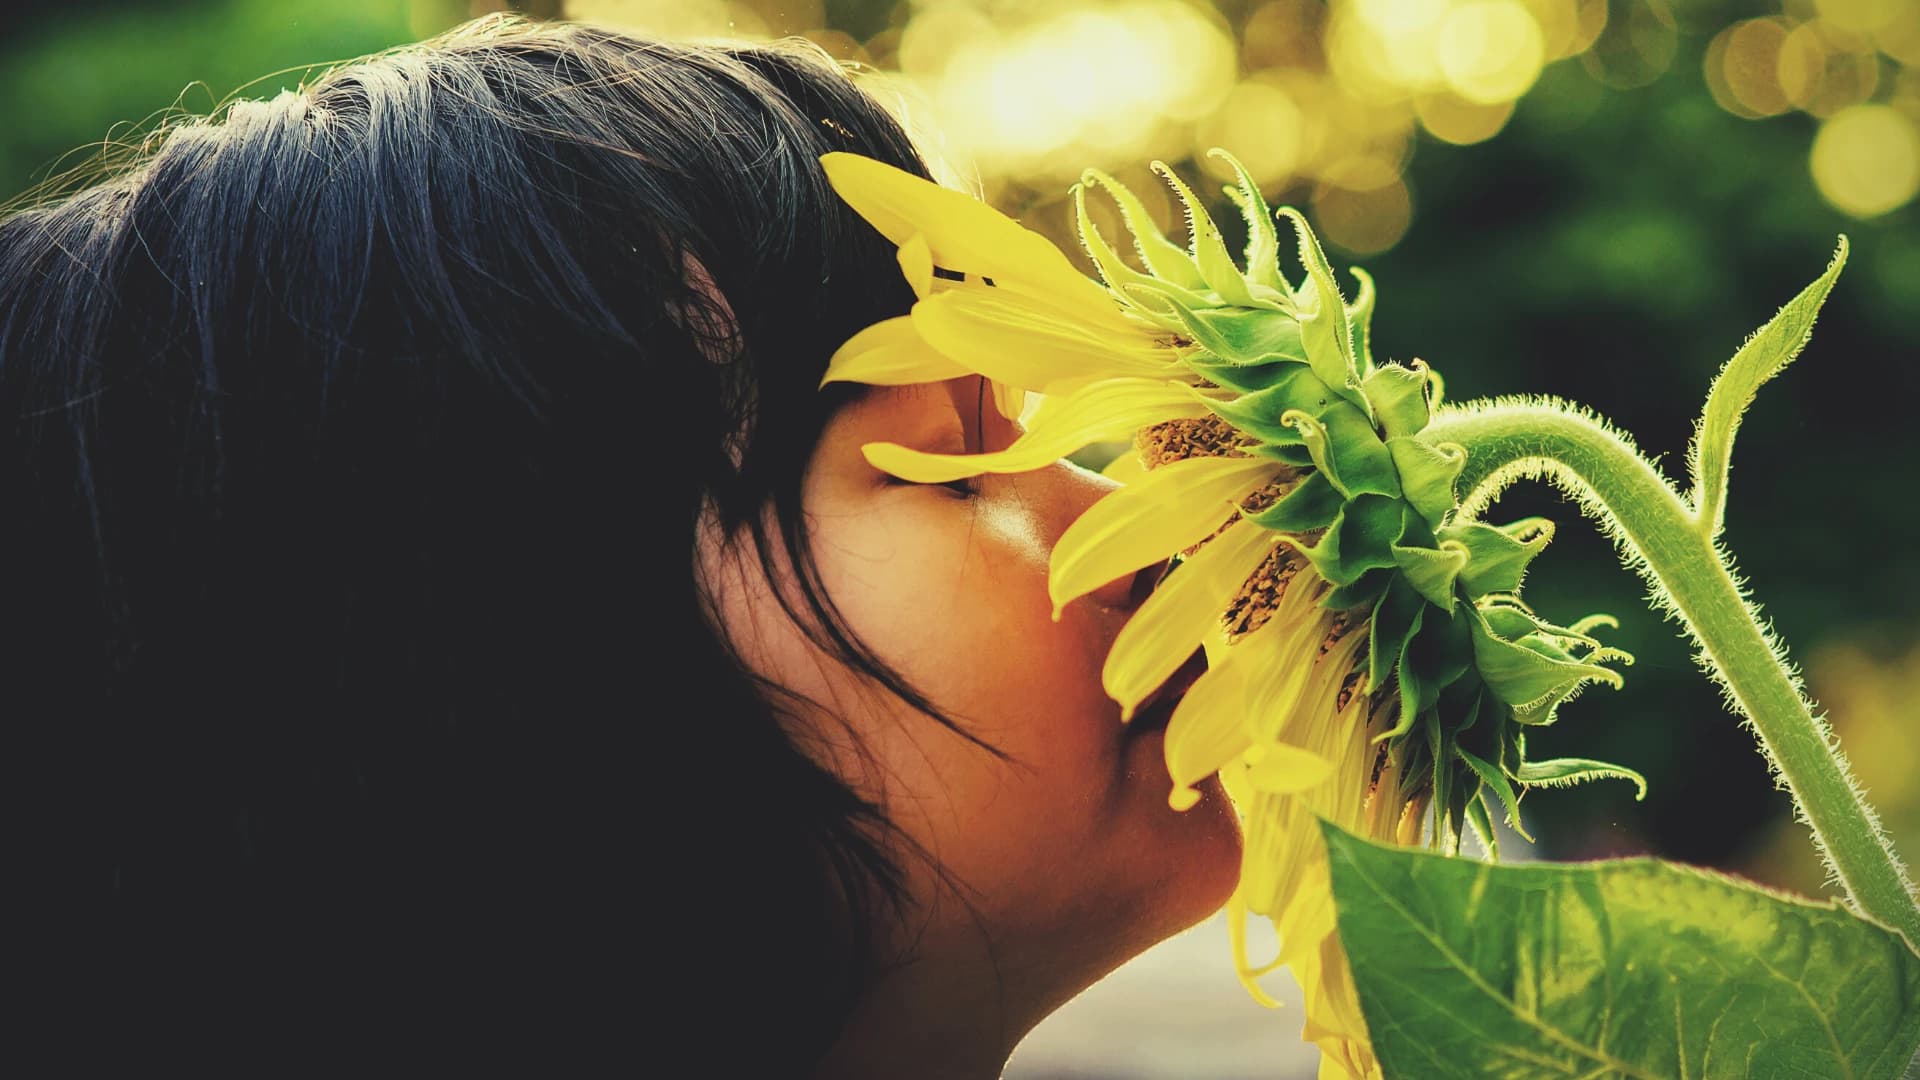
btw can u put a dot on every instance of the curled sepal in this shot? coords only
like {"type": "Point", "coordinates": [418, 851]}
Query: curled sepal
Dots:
{"type": "Point", "coordinates": [1209, 249]}
{"type": "Point", "coordinates": [1399, 398]}
{"type": "Point", "coordinates": [1433, 571]}
{"type": "Point", "coordinates": [1328, 338]}
{"type": "Point", "coordinates": [1163, 258]}
{"type": "Point", "coordinates": [1560, 772]}
{"type": "Point", "coordinates": [1500, 553]}
{"type": "Point", "coordinates": [1527, 674]}
{"type": "Point", "coordinates": [1163, 295]}
{"type": "Point", "coordinates": [1360, 319]}
{"type": "Point", "coordinates": [1343, 445]}
{"type": "Point", "coordinates": [1360, 539]}
{"type": "Point", "coordinates": [1482, 824]}
{"type": "Point", "coordinates": [1770, 349]}
{"type": "Point", "coordinates": [1247, 379]}
{"type": "Point", "coordinates": [1263, 240]}
{"type": "Point", "coordinates": [1237, 335]}
{"type": "Point", "coordinates": [1395, 617]}
{"type": "Point", "coordinates": [1260, 412]}
{"type": "Point", "coordinates": [1312, 504]}
{"type": "Point", "coordinates": [1494, 778]}
{"type": "Point", "coordinates": [1427, 472]}
{"type": "Point", "coordinates": [1364, 593]}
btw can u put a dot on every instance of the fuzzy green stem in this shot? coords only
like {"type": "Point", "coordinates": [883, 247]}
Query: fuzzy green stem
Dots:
{"type": "Point", "coordinates": [1662, 538]}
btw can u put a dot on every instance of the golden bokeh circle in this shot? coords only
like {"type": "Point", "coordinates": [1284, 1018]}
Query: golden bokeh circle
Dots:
{"type": "Point", "coordinates": [1866, 160]}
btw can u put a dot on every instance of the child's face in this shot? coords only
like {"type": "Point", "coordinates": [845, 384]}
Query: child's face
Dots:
{"type": "Point", "coordinates": [1066, 851]}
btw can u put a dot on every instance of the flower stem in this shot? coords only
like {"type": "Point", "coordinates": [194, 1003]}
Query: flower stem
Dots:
{"type": "Point", "coordinates": [1667, 542]}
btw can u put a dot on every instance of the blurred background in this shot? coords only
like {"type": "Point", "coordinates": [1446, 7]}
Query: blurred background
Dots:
{"type": "Point", "coordinates": [1597, 199]}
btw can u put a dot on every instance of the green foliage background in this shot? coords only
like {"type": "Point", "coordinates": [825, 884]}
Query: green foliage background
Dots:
{"type": "Point", "coordinates": [1616, 261]}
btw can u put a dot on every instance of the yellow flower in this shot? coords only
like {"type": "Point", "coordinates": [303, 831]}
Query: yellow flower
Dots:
{"type": "Point", "coordinates": [1369, 658]}
{"type": "Point", "coordinates": [1277, 712]}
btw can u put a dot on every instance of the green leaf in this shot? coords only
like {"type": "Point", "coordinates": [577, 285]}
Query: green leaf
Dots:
{"type": "Point", "coordinates": [1626, 968]}
{"type": "Point", "coordinates": [1243, 335]}
{"type": "Point", "coordinates": [1769, 350]}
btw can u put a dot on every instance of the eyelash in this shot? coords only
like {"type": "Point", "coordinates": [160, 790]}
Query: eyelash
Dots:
{"type": "Point", "coordinates": [962, 488]}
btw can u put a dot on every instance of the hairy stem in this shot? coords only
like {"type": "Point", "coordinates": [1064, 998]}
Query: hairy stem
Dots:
{"type": "Point", "coordinates": [1662, 538]}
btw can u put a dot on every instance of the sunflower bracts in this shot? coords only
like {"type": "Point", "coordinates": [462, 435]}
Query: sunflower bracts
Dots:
{"type": "Point", "coordinates": [1286, 373]}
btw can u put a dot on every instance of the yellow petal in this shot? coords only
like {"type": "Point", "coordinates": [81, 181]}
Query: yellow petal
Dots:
{"type": "Point", "coordinates": [890, 353]}
{"type": "Point", "coordinates": [963, 233]}
{"type": "Point", "coordinates": [1281, 769]}
{"type": "Point", "coordinates": [1010, 340]}
{"type": "Point", "coordinates": [1173, 508]}
{"type": "Point", "coordinates": [1011, 401]}
{"type": "Point", "coordinates": [1110, 409]}
{"type": "Point", "coordinates": [1205, 733]}
{"type": "Point", "coordinates": [1125, 468]}
{"type": "Point", "coordinates": [1237, 937]}
{"type": "Point", "coordinates": [1168, 627]}
{"type": "Point", "coordinates": [916, 263]}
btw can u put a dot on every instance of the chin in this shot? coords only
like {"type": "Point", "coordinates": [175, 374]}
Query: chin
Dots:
{"type": "Point", "coordinates": [1202, 847]}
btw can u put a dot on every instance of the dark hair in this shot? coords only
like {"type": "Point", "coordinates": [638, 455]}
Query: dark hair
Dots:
{"type": "Point", "coordinates": [357, 444]}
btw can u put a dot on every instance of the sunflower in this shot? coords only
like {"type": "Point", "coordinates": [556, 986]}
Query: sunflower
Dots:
{"type": "Point", "coordinates": [1370, 662]}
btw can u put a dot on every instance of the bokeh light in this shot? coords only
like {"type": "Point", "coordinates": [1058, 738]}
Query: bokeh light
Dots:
{"type": "Point", "coordinates": [1866, 160]}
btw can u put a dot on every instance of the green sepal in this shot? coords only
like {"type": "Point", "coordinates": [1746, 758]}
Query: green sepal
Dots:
{"type": "Point", "coordinates": [1328, 338]}
{"type": "Point", "coordinates": [1163, 258]}
{"type": "Point", "coordinates": [1500, 553]}
{"type": "Point", "coordinates": [1492, 777]}
{"type": "Point", "coordinates": [1159, 298]}
{"type": "Point", "coordinates": [1263, 240]}
{"type": "Point", "coordinates": [1399, 398]}
{"type": "Point", "coordinates": [1482, 824]}
{"type": "Point", "coordinates": [1360, 320]}
{"type": "Point", "coordinates": [1365, 592]}
{"type": "Point", "coordinates": [1443, 648]}
{"type": "Point", "coordinates": [1415, 693]}
{"type": "Point", "coordinates": [1294, 454]}
{"type": "Point", "coordinates": [1394, 620]}
{"type": "Point", "coordinates": [1312, 504]}
{"type": "Point", "coordinates": [1427, 473]}
{"type": "Point", "coordinates": [1247, 379]}
{"type": "Point", "coordinates": [1360, 539]}
{"type": "Point", "coordinates": [1259, 413]}
{"type": "Point", "coordinates": [1433, 572]}
{"type": "Point", "coordinates": [1209, 250]}
{"type": "Point", "coordinates": [1559, 772]}
{"type": "Point", "coordinates": [1245, 335]}
{"type": "Point", "coordinates": [1527, 678]}
{"type": "Point", "coordinates": [1343, 445]}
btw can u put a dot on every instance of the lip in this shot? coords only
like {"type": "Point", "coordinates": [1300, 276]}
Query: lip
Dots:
{"type": "Point", "coordinates": [1157, 708]}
